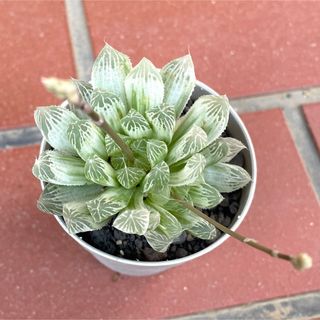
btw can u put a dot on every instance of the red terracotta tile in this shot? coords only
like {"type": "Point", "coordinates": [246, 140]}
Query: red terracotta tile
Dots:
{"type": "Point", "coordinates": [312, 114]}
{"type": "Point", "coordinates": [239, 48]}
{"type": "Point", "coordinates": [34, 42]}
{"type": "Point", "coordinates": [44, 274]}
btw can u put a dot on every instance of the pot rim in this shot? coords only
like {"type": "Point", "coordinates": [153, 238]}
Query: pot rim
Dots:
{"type": "Point", "coordinates": [214, 245]}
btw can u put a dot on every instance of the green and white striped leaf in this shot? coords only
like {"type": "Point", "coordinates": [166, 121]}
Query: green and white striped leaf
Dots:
{"type": "Point", "coordinates": [162, 120]}
{"type": "Point", "coordinates": [144, 86]}
{"type": "Point", "coordinates": [154, 219]}
{"type": "Point", "coordinates": [100, 172]}
{"type": "Point", "coordinates": [78, 218]}
{"type": "Point", "coordinates": [179, 81]}
{"type": "Point", "coordinates": [190, 173]}
{"type": "Point", "coordinates": [59, 168]}
{"type": "Point", "coordinates": [158, 240]}
{"type": "Point", "coordinates": [118, 162]}
{"type": "Point", "coordinates": [110, 70]}
{"type": "Point", "coordinates": [87, 139]}
{"type": "Point", "coordinates": [226, 177]}
{"type": "Point", "coordinates": [205, 196]}
{"type": "Point", "coordinates": [129, 177]}
{"type": "Point", "coordinates": [216, 151]}
{"type": "Point", "coordinates": [156, 151]}
{"type": "Point", "coordinates": [109, 107]}
{"type": "Point", "coordinates": [210, 112]}
{"type": "Point", "coordinates": [84, 89]}
{"type": "Point", "coordinates": [135, 125]}
{"type": "Point", "coordinates": [158, 197]}
{"type": "Point", "coordinates": [190, 143]}
{"type": "Point", "coordinates": [139, 147]}
{"type": "Point", "coordinates": [133, 221]}
{"type": "Point", "coordinates": [53, 122]}
{"type": "Point", "coordinates": [234, 147]}
{"type": "Point", "coordinates": [111, 147]}
{"type": "Point", "coordinates": [109, 203]}
{"type": "Point", "coordinates": [157, 179]}
{"type": "Point", "coordinates": [203, 230]}
{"type": "Point", "coordinates": [54, 196]}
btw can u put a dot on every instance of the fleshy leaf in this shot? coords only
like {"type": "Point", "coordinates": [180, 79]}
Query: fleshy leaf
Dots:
{"type": "Point", "coordinates": [110, 70]}
{"type": "Point", "coordinates": [133, 221]}
{"type": "Point", "coordinates": [54, 196]}
{"type": "Point", "coordinates": [156, 151]}
{"type": "Point", "coordinates": [158, 197]}
{"type": "Point", "coordinates": [205, 196]}
{"type": "Point", "coordinates": [59, 168]}
{"type": "Point", "coordinates": [78, 218]}
{"type": "Point", "coordinates": [144, 86]}
{"type": "Point", "coordinates": [85, 90]}
{"type": "Point", "coordinates": [135, 125]}
{"type": "Point", "coordinates": [154, 219]}
{"type": "Point", "coordinates": [190, 143]}
{"type": "Point", "coordinates": [157, 179]}
{"type": "Point", "coordinates": [216, 151]}
{"type": "Point", "coordinates": [162, 120]}
{"type": "Point", "coordinates": [100, 172]}
{"type": "Point", "coordinates": [190, 173]}
{"type": "Point", "coordinates": [109, 203]}
{"type": "Point", "coordinates": [53, 122]}
{"type": "Point", "coordinates": [87, 139]}
{"type": "Point", "coordinates": [226, 177]}
{"type": "Point", "coordinates": [179, 81]}
{"type": "Point", "coordinates": [234, 147]}
{"type": "Point", "coordinates": [203, 229]}
{"type": "Point", "coordinates": [210, 112]}
{"type": "Point", "coordinates": [111, 147]}
{"type": "Point", "coordinates": [129, 177]}
{"type": "Point", "coordinates": [109, 107]}
{"type": "Point", "coordinates": [158, 240]}
{"type": "Point", "coordinates": [118, 162]}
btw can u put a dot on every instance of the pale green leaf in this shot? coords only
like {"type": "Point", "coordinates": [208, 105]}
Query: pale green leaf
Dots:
{"type": "Point", "coordinates": [100, 172]}
{"type": "Point", "coordinates": [118, 162]}
{"type": "Point", "coordinates": [109, 203]}
{"type": "Point", "coordinates": [234, 147]}
{"type": "Point", "coordinates": [179, 81]}
{"type": "Point", "coordinates": [84, 89]}
{"type": "Point", "coordinates": [216, 151]}
{"type": "Point", "coordinates": [110, 70]}
{"type": "Point", "coordinates": [157, 179]}
{"type": "Point", "coordinates": [135, 125]}
{"type": "Point", "coordinates": [203, 229]}
{"type": "Point", "coordinates": [154, 219]}
{"type": "Point", "coordinates": [144, 86]}
{"type": "Point", "coordinates": [87, 139]}
{"type": "Point", "coordinates": [112, 148]}
{"type": "Point", "coordinates": [156, 151]}
{"type": "Point", "coordinates": [190, 173]}
{"type": "Point", "coordinates": [162, 120]}
{"type": "Point", "coordinates": [205, 196]}
{"type": "Point", "coordinates": [160, 197]}
{"type": "Point", "coordinates": [226, 177]}
{"type": "Point", "coordinates": [158, 240]}
{"type": "Point", "coordinates": [54, 196]}
{"type": "Point", "coordinates": [59, 168]}
{"type": "Point", "coordinates": [129, 177]}
{"type": "Point", "coordinates": [133, 221]}
{"type": "Point", "coordinates": [53, 122]}
{"type": "Point", "coordinates": [139, 147]}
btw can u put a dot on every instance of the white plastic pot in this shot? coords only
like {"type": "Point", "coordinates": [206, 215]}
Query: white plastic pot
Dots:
{"type": "Point", "coordinates": [237, 130]}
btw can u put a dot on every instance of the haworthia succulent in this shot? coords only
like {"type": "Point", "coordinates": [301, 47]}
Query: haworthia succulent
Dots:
{"type": "Point", "coordinates": [110, 70]}
{"type": "Point", "coordinates": [144, 86]}
{"type": "Point", "coordinates": [158, 240]}
{"type": "Point", "coordinates": [129, 177]}
{"type": "Point", "coordinates": [205, 196]}
{"type": "Point", "coordinates": [234, 147]}
{"type": "Point", "coordinates": [53, 122]}
{"type": "Point", "coordinates": [85, 90]}
{"type": "Point", "coordinates": [156, 151]}
{"type": "Point", "coordinates": [179, 81]}
{"type": "Point", "coordinates": [157, 179]}
{"type": "Point", "coordinates": [216, 151]}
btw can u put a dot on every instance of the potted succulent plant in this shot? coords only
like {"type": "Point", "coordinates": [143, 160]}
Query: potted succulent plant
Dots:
{"type": "Point", "coordinates": [136, 162]}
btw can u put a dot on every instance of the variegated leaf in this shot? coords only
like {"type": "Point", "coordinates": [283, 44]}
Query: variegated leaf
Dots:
{"type": "Point", "coordinates": [210, 112]}
{"type": "Point", "coordinates": [53, 122]}
{"type": "Point", "coordinates": [179, 81]}
{"type": "Point", "coordinates": [118, 162]}
{"type": "Point", "coordinates": [162, 120]}
{"type": "Point", "coordinates": [157, 179]}
{"type": "Point", "coordinates": [156, 151]}
{"type": "Point", "coordinates": [139, 147]}
{"type": "Point", "coordinates": [216, 151]}
{"type": "Point", "coordinates": [100, 172]}
{"type": "Point", "coordinates": [205, 196]}
{"type": "Point", "coordinates": [135, 125]}
{"type": "Point", "coordinates": [54, 196]}
{"type": "Point", "coordinates": [59, 168]}
{"type": "Point", "coordinates": [144, 86]}
{"type": "Point", "coordinates": [87, 139]}
{"type": "Point", "coordinates": [84, 89]}
{"type": "Point", "coordinates": [109, 203]}
{"type": "Point", "coordinates": [129, 177]}
{"type": "Point", "coordinates": [190, 173]}
{"type": "Point", "coordinates": [226, 177]}
{"type": "Point", "coordinates": [154, 218]}
{"type": "Point", "coordinates": [111, 147]}
{"type": "Point", "coordinates": [78, 218]}
{"type": "Point", "coordinates": [203, 229]}
{"type": "Point", "coordinates": [158, 240]}
{"type": "Point", "coordinates": [190, 143]}
{"type": "Point", "coordinates": [133, 221]}
{"type": "Point", "coordinates": [234, 147]}
{"type": "Point", "coordinates": [109, 107]}
{"type": "Point", "coordinates": [158, 197]}
{"type": "Point", "coordinates": [110, 70]}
